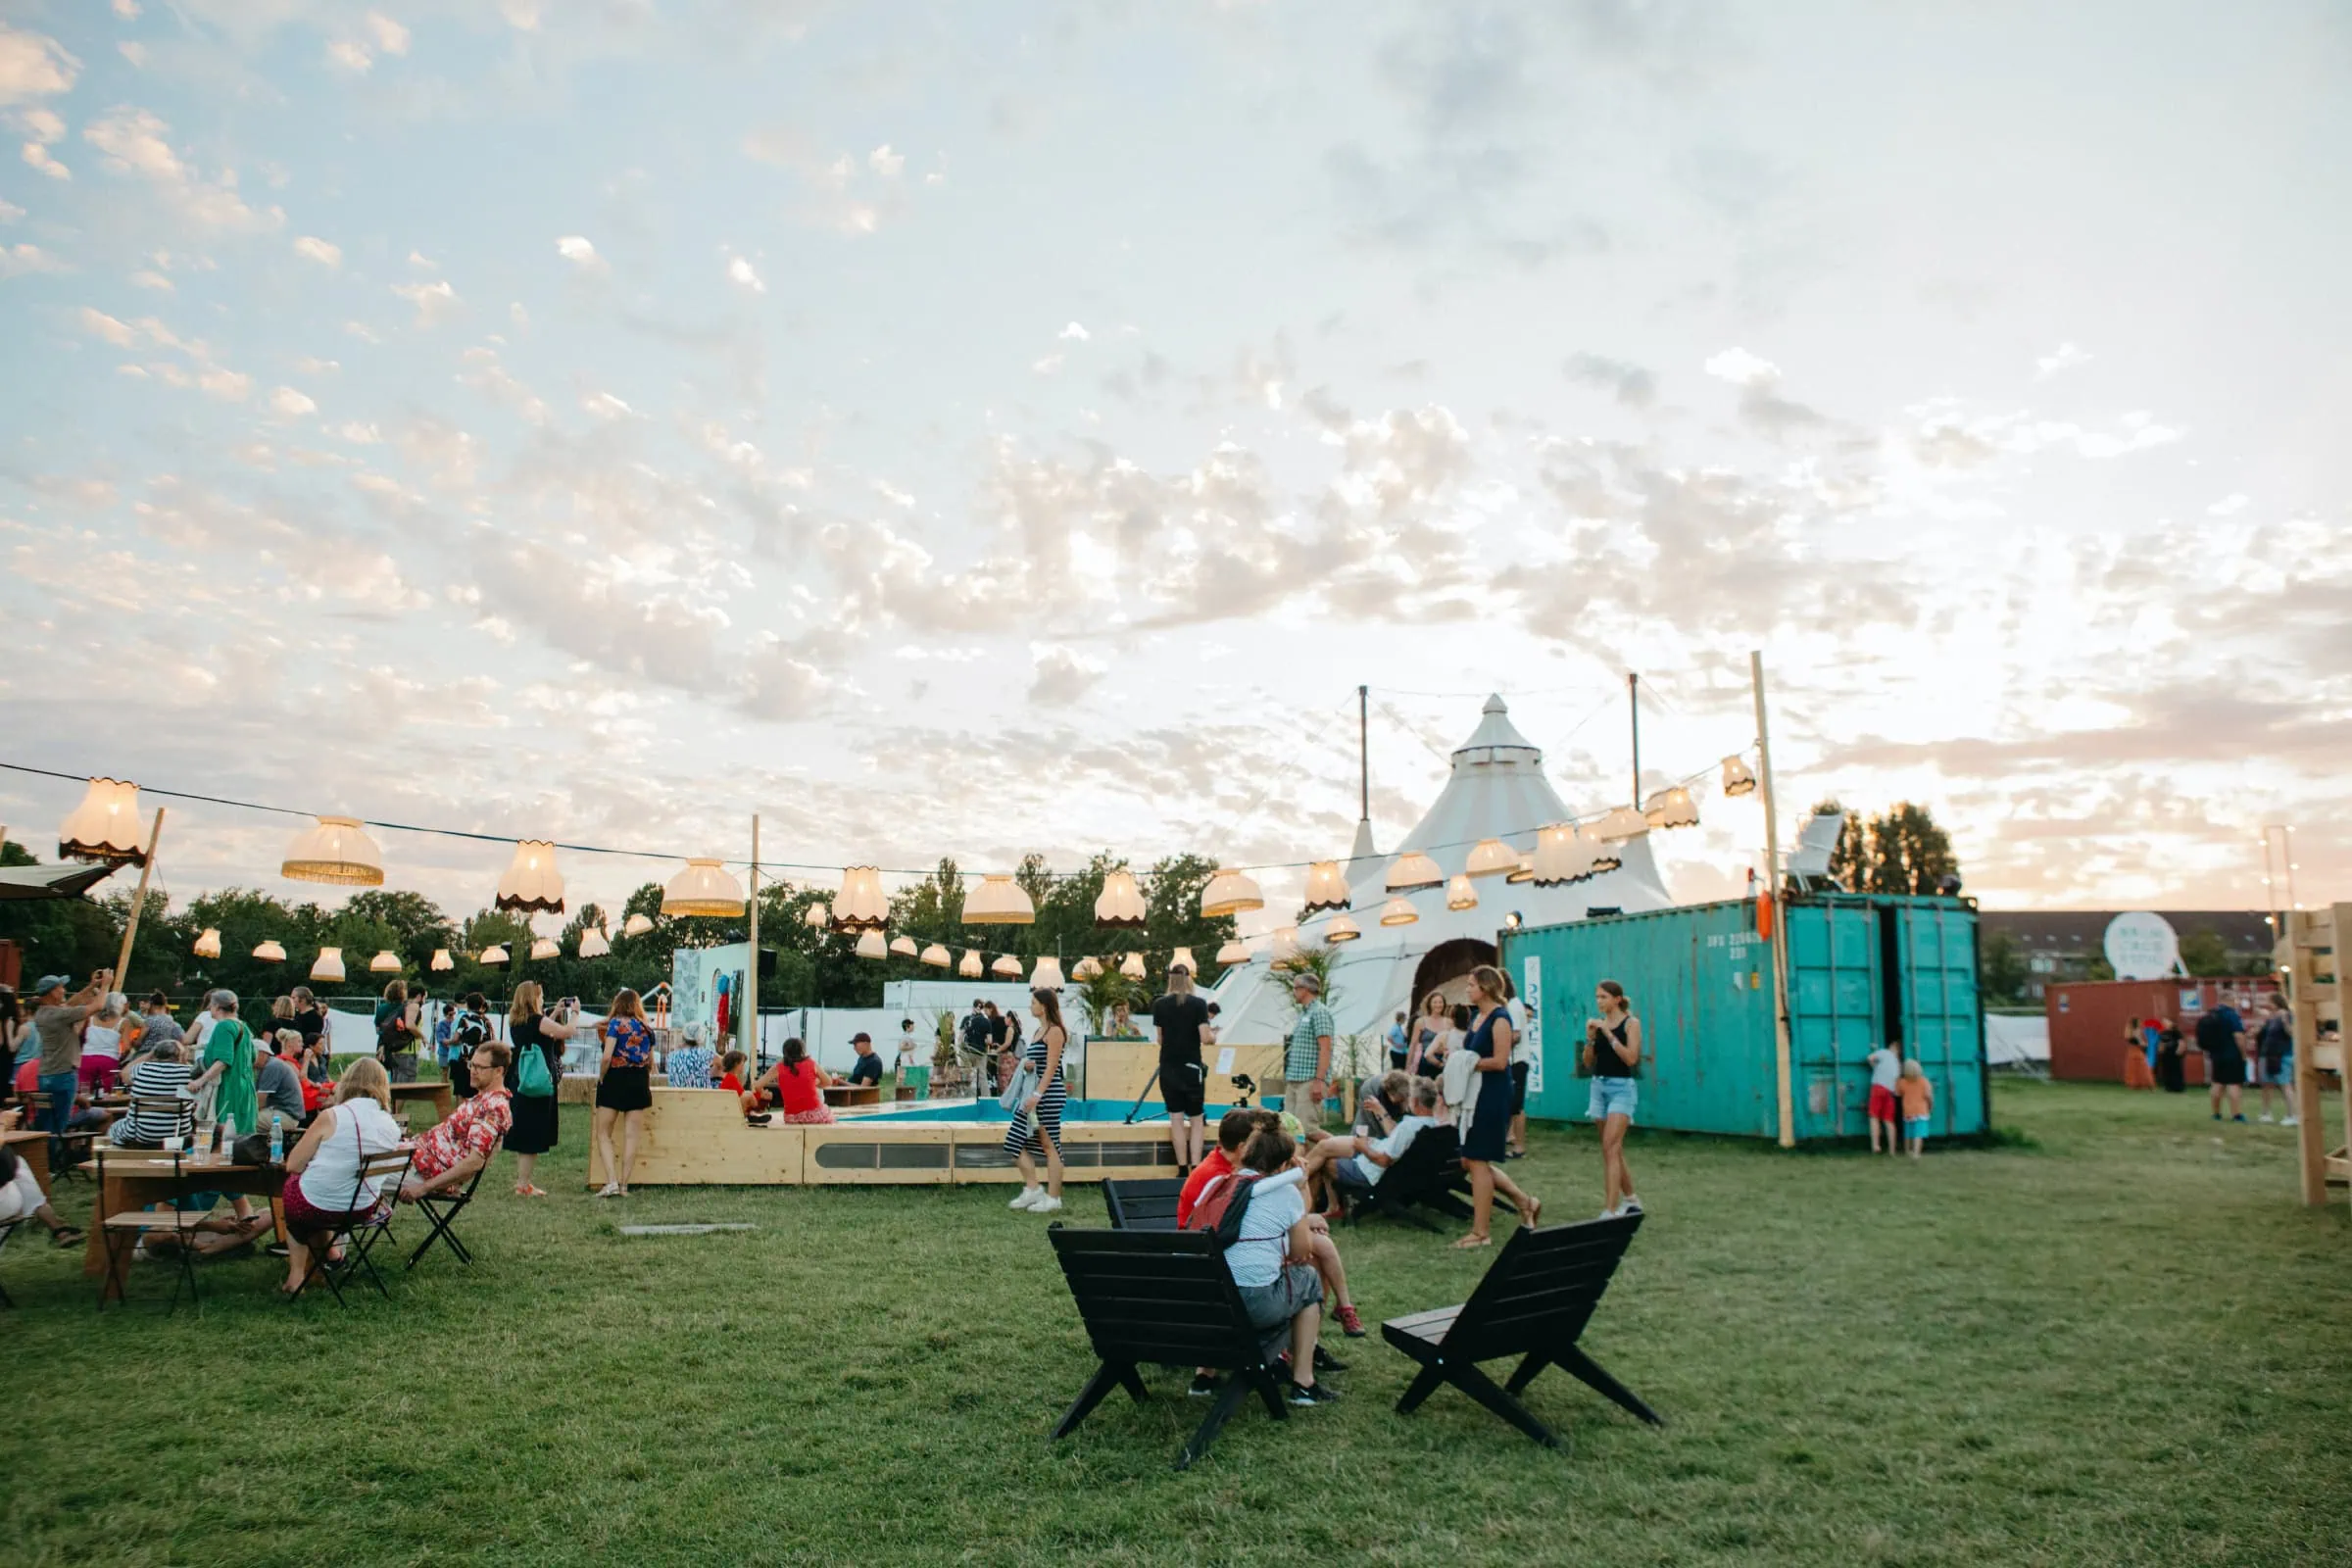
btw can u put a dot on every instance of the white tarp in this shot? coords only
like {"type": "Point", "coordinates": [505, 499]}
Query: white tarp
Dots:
{"type": "Point", "coordinates": [2011, 1041]}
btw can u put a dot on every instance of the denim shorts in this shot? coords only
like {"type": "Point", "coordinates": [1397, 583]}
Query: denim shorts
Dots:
{"type": "Point", "coordinates": [1613, 1096]}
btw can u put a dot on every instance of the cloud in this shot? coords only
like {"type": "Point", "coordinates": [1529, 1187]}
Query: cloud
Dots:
{"type": "Point", "coordinates": [347, 56]}
{"type": "Point", "coordinates": [2065, 357]}
{"type": "Point", "coordinates": [19, 260]}
{"type": "Point", "coordinates": [741, 272]}
{"type": "Point", "coordinates": [390, 36]}
{"type": "Point", "coordinates": [33, 66]}
{"type": "Point", "coordinates": [435, 301]}
{"type": "Point", "coordinates": [885, 163]}
{"type": "Point", "coordinates": [39, 157]}
{"type": "Point", "coordinates": [576, 249]}
{"type": "Point", "coordinates": [1741, 367]}
{"type": "Point", "coordinates": [9, 212]}
{"type": "Point", "coordinates": [290, 402]}
{"type": "Point", "coordinates": [1073, 333]}
{"type": "Point", "coordinates": [310, 248]}
{"type": "Point", "coordinates": [2230, 506]}
{"type": "Point", "coordinates": [605, 405]}
{"type": "Point", "coordinates": [99, 324]}
{"type": "Point", "coordinates": [1629, 383]}
{"type": "Point", "coordinates": [1060, 678]}
{"type": "Point", "coordinates": [134, 142]}
{"type": "Point", "coordinates": [840, 192]}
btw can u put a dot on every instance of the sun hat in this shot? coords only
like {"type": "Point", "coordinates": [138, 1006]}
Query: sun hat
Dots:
{"type": "Point", "coordinates": [50, 982]}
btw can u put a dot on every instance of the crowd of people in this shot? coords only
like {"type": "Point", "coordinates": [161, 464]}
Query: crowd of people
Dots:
{"type": "Point", "coordinates": [2235, 1053]}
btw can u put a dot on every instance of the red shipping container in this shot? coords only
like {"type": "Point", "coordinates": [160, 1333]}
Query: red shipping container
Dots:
{"type": "Point", "coordinates": [2087, 1017]}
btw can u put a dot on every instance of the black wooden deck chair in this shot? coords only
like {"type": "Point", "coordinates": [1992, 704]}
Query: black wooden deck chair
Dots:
{"type": "Point", "coordinates": [1166, 1296]}
{"type": "Point", "coordinates": [1532, 1303]}
{"type": "Point", "coordinates": [441, 1210]}
{"type": "Point", "coordinates": [1144, 1204]}
{"type": "Point", "coordinates": [1427, 1175]}
{"type": "Point", "coordinates": [385, 1172]}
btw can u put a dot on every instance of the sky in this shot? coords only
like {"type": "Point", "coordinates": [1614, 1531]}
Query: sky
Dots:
{"type": "Point", "coordinates": [981, 430]}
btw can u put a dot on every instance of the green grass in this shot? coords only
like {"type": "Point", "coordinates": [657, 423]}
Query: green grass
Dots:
{"type": "Point", "coordinates": [2117, 1340]}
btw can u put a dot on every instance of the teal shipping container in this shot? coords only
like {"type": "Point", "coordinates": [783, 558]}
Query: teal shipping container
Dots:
{"type": "Point", "coordinates": [1864, 969]}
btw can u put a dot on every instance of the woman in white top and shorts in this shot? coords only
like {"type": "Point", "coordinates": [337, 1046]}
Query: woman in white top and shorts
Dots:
{"type": "Point", "coordinates": [324, 1192]}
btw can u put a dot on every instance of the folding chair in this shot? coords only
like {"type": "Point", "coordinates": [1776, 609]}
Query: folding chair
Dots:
{"type": "Point", "coordinates": [73, 1147]}
{"type": "Point", "coordinates": [441, 1210]}
{"type": "Point", "coordinates": [139, 1224]}
{"type": "Point", "coordinates": [385, 1171]}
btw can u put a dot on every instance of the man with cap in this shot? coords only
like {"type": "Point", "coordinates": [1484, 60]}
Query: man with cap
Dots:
{"type": "Point", "coordinates": [56, 1020]}
{"type": "Point", "coordinates": [868, 1069]}
{"type": "Point", "coordinates": [1306, 1062]}
{"type": "Point", "coordinates": [1178, 1020]}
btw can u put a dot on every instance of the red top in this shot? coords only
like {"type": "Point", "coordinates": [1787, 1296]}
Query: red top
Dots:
{"type": "Point", "coordinates": [1214, 1165]}
{"type": "Point", "coordinates": [730, 1081]}
{"type": "Point", "coordinates": [796, 1087]}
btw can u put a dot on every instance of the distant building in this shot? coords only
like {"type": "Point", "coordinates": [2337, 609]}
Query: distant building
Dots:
{"type": "Point", "coordinates": [2060, 944]}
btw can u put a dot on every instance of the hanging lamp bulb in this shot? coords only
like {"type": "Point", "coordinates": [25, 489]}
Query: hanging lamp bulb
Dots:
{"type": "Point", "coordinates": [970, 968]}
{"type": "Point", "coordinates": [329, 965]}
{"type": "Point", "coordinates": [1120, 905]}
{"type": "Point", "coordinates": [384, 962]}
{"type": "Point", "coordinates": [1232, 953]}
{"type": "Point", "coordinates": [702, 888]}
{"type": "Point", "coordinates": [208, 944]}
{"type": "Point", "coordinates": [820, 916]}
{"type": "Point", "coordinates": [493, 956]}
{"type": "Point", "coordinates": [1490, 858]}
{"type": "Point", "coordinates": [1087, 968]}
{"type": "Point", "coordinates": [1460, 893]}
{"type": "Point", "coordinates": [1621, 824]}
{"type": "Point", "coordinates": [999, 901]}
{"type": "Point", "coordinates": [637, 925]}
{"type": "Point", "coordinates": [1325, 887]}
{"type": "Point", "coordinates": [1132, 966]}
{"type": "Point", "coordinates": [903, 947]}
{"type": "Point", "coordinates": [1341, 929]}
{"type": "Point", "coordinates": [1399, 912]}
{"type": "Point", "coordinates": [862, 905]}
{"type": "Point", "coordinates": [1184, 955]}
{"type": "Point", "coordinates": [545, 947]}
{"type": "Point", "coordinates": [442, 962]}
{"type": "Point", "coordinates": [531, 884]}
{"type": "Point", "coordinates": [105, 826]}
{"type": "Point", "coordinates": [1229, 891]}
{"type": "Point", "coordinates": [1413, 871]}
{"type": "Point", "coordinates": [937, 956]}
{"type": "Point", "coordinates": [871, 946]}
{"type": "Point", "coordinates": [1563, 855]}
{"type": "Point", "coordinates": [594, 944]}
{"type": "Point", "coordinates": [270, 950]}
{"type": "Point", "coordinates": [335, 849]}
{"type": "Point", "coordinates": [1005, 967]}
{"type": "Point", "coordinates": [1737, 777]}
{"type": "Point", "coordinates": [1524, 871]}
{"type": "Point", "coordinates": [1671, 807]}
{"type": "Point", "coordinates": [1045, 974]}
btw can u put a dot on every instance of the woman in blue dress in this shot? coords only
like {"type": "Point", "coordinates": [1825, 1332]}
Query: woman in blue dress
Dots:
{"type": "Point", "coordinates": [1485, 1139]}
{"type": "Point", "coordinates": [1044, 1103]}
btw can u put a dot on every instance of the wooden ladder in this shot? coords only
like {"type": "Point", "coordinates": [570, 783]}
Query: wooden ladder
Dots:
{"type": "Point", "coordinates": [2307, 955]}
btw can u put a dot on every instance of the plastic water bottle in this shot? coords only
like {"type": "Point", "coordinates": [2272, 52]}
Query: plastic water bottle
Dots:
{"type": "Point", "coordinates": [277, 1139]}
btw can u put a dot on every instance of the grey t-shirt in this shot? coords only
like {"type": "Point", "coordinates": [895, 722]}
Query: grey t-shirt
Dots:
{"type": "Point", "coordinates": [283, 1087]}
{"type": "Point", "coordinates": [60, 1029]}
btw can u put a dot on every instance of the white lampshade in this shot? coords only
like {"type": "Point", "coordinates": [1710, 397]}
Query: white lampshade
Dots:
{"type": "Point", "coordinates": [337, 850]}
{"type": "Point", "coordinates": [702, 888]}
{"type": "Point", "coordinates": [493, 956]}
{"type": "Point", "coordinates": [1234, 952]}
{"type": "Point", "coordinates": [1460, 893]}
{"type": "Point", "coordinates": [1120, 905]}
{"type": "Point", "coordinates": [637, 925]}
{"type": "Point", "coordinates": [970, 968]}
{"type": "Point", "coordinates": [1412, 869]}
{"type": "Point", "coordinates": [1737, 777]}
{"type": "Point", "coordinates": [1524, 871]}
{"type": "Point", "coordinates": [1399, 912]}
{"type": "Point", "coordinates": [1282, 942]}
{"type": "Point", "coordinates": [270, 952]}
{"type": "Point", "coordinates": [820, 916]}
{"type": "Point", "coordinates": [862, 905]}
{"type": "Point", "coordinates": [1671, 807]}
{"type": "Point", "coordinates": [937, 956]}
{"type": "Point", "coordinates": [1621, 824]}
{"type": "Point", "coordinates": [904, 947]}
{"type": "Point", "coordinates": [545, 947]}
{"type": "Point", "coordinates": [384, 962]}
{"type": "Point", "coordinates": [105, 826]}
{"type": "Point", "coordinates": [1229, 891]}
{"type": "Point", "coordinates": [329, 965]}
{"type": "Point", "coordinates": [1563, 855]}
{"type": "Point", "coordinates": [1341, 929]}
{"type": "Point", "coordinates": [871, 946]}
{"type": "Point", "coordinates": [999, 901]}
{"type": "Point", "coordinates": [1184, 955]}
{"type": "Point", "coordinates": [1045, 974]}
{"type": "Point", "coordinates": [1325, 887]}
{"type": "Point", "coordinates": [208, 944]}
{"type": "Point", "coordinates": [1604, 858]}
{"type": "Point", "coordinates": [1006, 967]}
{"type": "Point", "coordinates": [531, 884]}
{"type": "Point", "coordinates": [1087, 968]}
{"type": "Point", "coordinates": [1490, 858]}
{"type": "Point", "coordinates": [1132, 966]}
{"type": "Point", "coordinates": [594, 944]}
{"type": "Point", "coordinates": [442, 962]}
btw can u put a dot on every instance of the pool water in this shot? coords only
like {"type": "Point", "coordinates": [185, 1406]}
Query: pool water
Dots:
{"type": "Point", "coordinates": [965, 1110]}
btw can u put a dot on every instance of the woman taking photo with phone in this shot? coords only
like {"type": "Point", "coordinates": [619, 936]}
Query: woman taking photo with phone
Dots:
{"type": "Point", "coordinates": [534, 1131]}
{"type": "Point", "coordinates": [1612, 1054]}
{"type": "Point", "coordinates": [1489, 1039]}
{"type": "Point", "coordinates": [623, 1089]}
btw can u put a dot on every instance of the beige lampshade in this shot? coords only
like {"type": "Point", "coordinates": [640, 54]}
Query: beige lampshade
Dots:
{"type": "Point", "coordinates": [1325, 887]}
{"type": "Point", "coordinates": [999, 901]}
{"type": "Point", "coordinates": [329, 965]}
{"type": "Point", "coordinates": [1412, 869]}
{"type": "Point", "coordinates": [208, 944]}
{"type": "Point", "coordinates": [970, 968]}
{"type": "Point", "coordinates": [1184, 955]}
{"type": "Point", "coordinates": [1563, 855]}
{"type": "Point", "coordinates": [1229, 891]}
{"type": "Point", "coordinates": [1671, 807]}
{"type": "Point", "coordinates": [493, 956]}
{"type": "Point", "coordinates": [1088, 968]}
{"type": "Point", "coordinates": [862, 905]}
{"type": "Point", "coordinates": [1524, 871]}
{"type": "Point", "coordinates": [1006, 967]}
{"type": "Point", "coordinates": [1399, 912]}
{"type": "Point", "coordinates": [336, 849]}
{"type": "Point", "coordinates": [270, 952]}
{"type": "Point", "coordinates": [1231, 953]}
{"type": "Point", "coordinates": [1490, 858]}
{"type": "Point", "coordinates": [702, 888]}
{"type": "Point", "coordinates": [384, 962]}
{"type": "Point", "coordinates": [1737, 777]}
{"type": "Point", "coordinates": [1621, 824]}
{"type": "Point", "coordinates": [1046, 973]}
{"type": "Point", "coordinates": [593, 943]}
{"type": "Point", "coordinates": [105, 826]}
{"type": "Point", "coordinates": [1341, 929]}
{"type": "Point", "coordinates": [1282, 944]}
{"type": "Point", "coordinates": [1132, 966]}
{"type": "Point", "coordinates": [1604, 858]}
{"type": "Point", "coordinates": [820, 916]}
{"type": "Point", "coordinates": [1120, 905]}
{"type": "Point", "coordinates": [531, 884]}
{"type": "Point", "coordinates": [937, 956]}
{"type": "Point", "coordinates": [637, 925]}
{"type": "Point", "coordinates": [1460, 893]}
{"type": "Point", "coordinates": [871, 946]}
{"type": "Point", "coordinates": [545, 947]}
{"type": "Point", "coordinates": [904, 947]}
{"type": "Point", "coordinates": [442, 962]}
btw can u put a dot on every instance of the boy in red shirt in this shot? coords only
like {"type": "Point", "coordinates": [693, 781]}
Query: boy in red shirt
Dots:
{"type": "Point", "coordinates": [1232, 1133]}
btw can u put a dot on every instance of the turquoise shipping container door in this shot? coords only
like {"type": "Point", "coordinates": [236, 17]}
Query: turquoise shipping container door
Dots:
{"type": "Point", "coordinates": [1944, 1022]}
{"type": "Point", "coordinates": [1835, 1017]}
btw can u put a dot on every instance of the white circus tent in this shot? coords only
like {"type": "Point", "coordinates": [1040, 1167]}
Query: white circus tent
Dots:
{"type": "Point", "coordinates": [1496, 790]}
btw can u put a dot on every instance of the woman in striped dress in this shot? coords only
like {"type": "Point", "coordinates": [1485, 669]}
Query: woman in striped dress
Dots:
{"type": "Point", "coordinates": [1045, 1103]}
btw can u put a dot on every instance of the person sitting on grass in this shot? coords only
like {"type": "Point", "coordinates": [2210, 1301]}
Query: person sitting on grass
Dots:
{"type": "Point", "coordinates": [796, 1085]}
{"type": "Point", "coordinates": [1269, 1262]}
{"type": "Point", "coordinates": [21, 1190]}
{"type": "Point", "coordinates": [465, 1140]}
{"type": "Point", "coordinates": [1919, 1106]}
{"type": "Point", "coordinates": [323, 1193]}
{"type": "Point", "coordinates": [1339, 1167]}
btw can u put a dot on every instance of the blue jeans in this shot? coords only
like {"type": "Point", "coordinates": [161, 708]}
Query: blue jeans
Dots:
{"type": "Point", "coordinates": [60, 1087]}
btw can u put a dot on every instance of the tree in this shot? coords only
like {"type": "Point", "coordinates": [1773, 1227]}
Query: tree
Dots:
{"type": "Point", "coordinates": [2203, 952]}
{"type": "Point", "coordinates": [2001, 968]}
{"type": "Point", "coordinates": [1902, 851]}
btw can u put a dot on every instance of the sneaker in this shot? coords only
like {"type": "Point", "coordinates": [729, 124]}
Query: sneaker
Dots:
{"type": "Point", "coordinates": [1028, 1197]}
{"type": "Point", "coordinates": [1351, 1322]}
{"type": "Point", "coordinates": [1205, 1383]}
{"type": "Point", "coordinates": [1611, 1213]}
{"type": "Point", "coordinates": [2217, 1115]}
{"type": "Point", "coordinates": [2287, 1121]}
{"type": "Point", "coordinates": [2241, 1116]}
{"type": "Point", "coordinates": [1631, 1206]}
{"type": "Point", "coordinates": [1312, 1394]}
{"type": "Point", "coordinates": [1325, 1361]}
{"type": "Point", "coordinates": [2267, 1116]}
{"type": "Point", "coordinates": [1046, 1205]}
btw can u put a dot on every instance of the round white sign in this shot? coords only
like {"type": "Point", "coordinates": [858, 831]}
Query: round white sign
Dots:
{"type": "Point", "coordinates": [2142, 946]}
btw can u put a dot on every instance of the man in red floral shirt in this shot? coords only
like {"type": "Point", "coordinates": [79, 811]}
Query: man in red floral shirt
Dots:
{"type": "Point", "coordinates": [462, 1144]}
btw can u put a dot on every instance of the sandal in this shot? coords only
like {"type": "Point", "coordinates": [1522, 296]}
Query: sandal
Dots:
{"type": "Point", "coordinates": [67, 1236]}
{"type": "Point", "coordinates": [527, 1189]}
{"type": "Point", "coordinates": [1534, 1217]}
{"type": "Point", "coordinates": [1469, 1241]}
{"type": "Point", "coordinates": [608, 1190]}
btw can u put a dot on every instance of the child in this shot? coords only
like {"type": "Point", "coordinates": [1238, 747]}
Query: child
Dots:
{"type": "Point", "coordinates": [1886, 1070]}
{"type": "Point", "coordinates": [1919, 1103]}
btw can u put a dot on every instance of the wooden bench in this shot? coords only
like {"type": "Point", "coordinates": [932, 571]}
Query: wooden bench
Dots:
{"type": "Point", "coordinates": [1427, 1175]}
{"type": "Point", "coordinates": [1533, 1304]}
{"type": "Point", "coordinates": [1142, 1204]}
{"type": "Point", "coordinates": [1166, 1296]}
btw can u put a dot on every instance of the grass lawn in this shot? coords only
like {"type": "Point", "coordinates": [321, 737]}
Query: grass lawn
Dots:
{"type": "Point", "coordinates": [2118, 1339]}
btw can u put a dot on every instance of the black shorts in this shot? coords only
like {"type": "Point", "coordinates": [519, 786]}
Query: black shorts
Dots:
{"type": "Point", "coordinates": [1183, 1086]}
{"type": "Point", "coordinates": [2226, 1070]}
{"type": "Point", "coordinates": [624, 1089]}
{"type": "Point", "coordinates": [1518, 1088]}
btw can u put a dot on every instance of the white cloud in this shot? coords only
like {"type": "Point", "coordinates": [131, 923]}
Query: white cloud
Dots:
{"type": "Point", "coordinates": [1049, 366]}
{"type": "Point", "coordinates": [315, 366]}
{"type": "Point", "coordinates": [1743, 369]}
{"type": "Point", "coordinates": [423, 262]}
{"type": "Point", "coordinates": [345, 55]}
{"type": "Point", "coordinates": [363, 331]}
{"type": "Point", "coordinates": [17, 261]}
{"type": "Point", "coordinates": [741, 272]}
{"type": "Point", "coordinates": [9, 212]}
{"type": "Point", "coordinates": [127, 10]}
{"type": "Point", "coordinates": [605, 405]}
{"type": "Point", "coordinates": [390, 36]}
{"type": "Point", "coordinates": [1060, 678]}
{"type": "Point", "coordinates": [310, 248]}
{"type": "Point", "coordinates": [518, 315]}
{"type": "Point", "coordinates": [33, 66]}
{"type": "Point", "coordinates": [576, 249]}
{"type": "Point", "coordinates": [231, 386]}
{"type": "Point", "coordinates": [102, 326]}
{"type": "Point", "coordinates": [357, 434]}
{"type": "Point", "coordinates": [133, 142]}
{"type": "Point", "coordinates": [1073, 333]}
{"type": "Point", "coordinates": [2065, 357]}
{"type": "Point", "coordinates": [39, 157]}
{"type": "Point", "coordinates": [882, 160]}
{"type": "Point", "coordinates": [435, 301]}
{"type": "Point", "coordinates": [154, 280]}
{"type": "Point", "coordinates": [290, 402]}
{"type": "Point", "coordinates": [133, 51]}
{"type": "Point", "coordinates": [2230, 506]}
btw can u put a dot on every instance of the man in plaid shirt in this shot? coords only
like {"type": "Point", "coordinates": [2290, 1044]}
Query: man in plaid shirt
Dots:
{"type": "Point", "coordinates": [1306, 1063]}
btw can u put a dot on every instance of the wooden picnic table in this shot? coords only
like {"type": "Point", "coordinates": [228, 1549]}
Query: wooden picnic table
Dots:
{"type": "Point", "coordinates": [137, 1178]}
{"type": "Point", "coordinates": [33, 1147]}
{"type": "Point", "coordinates": [436, 1091]}
{"type": "Point", "coordinates": [854, 1094]}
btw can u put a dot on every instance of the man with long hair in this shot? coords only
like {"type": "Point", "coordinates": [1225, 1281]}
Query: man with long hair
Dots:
{"type": "Point", "coordinates": [1178, 1020]}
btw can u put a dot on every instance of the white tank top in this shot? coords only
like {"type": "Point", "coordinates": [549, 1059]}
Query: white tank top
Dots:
{"type": "Point", "coordinates": [326, 1181]}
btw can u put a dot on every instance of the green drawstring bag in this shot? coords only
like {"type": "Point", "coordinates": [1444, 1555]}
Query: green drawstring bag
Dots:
{"type": "Point", "coordinates": [533, 1080]}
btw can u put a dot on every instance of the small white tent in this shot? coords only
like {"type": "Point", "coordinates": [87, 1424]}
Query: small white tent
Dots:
{"type": "Point", "coordinates": [1497, 791]}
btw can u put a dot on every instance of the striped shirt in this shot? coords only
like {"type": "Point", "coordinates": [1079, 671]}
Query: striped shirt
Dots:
{"type": "Point", "coordinates": [151, 1127]}
{"type": "Point", "coordinates": [1300, 1061]}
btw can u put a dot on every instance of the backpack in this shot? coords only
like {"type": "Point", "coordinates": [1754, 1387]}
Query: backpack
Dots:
{"type": "Point", "coordinates": [533, 1080]}
{"type": "Point", "coordinates": [1220, 1207]}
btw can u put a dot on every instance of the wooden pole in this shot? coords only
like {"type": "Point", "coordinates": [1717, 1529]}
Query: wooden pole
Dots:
{"type": "Point", "coordinates": [750, 973]}
{"type": "Point", "coordinates": [138, 903]}
{"type": "Point", "coordinates": [1633, 704]}
{"type": "Point", "coordinates": [2339, 924]}
{"type": "Point", "coordinates": [1783, 1066]}
{"type": "Point", "coordinates": [2295, 953]}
